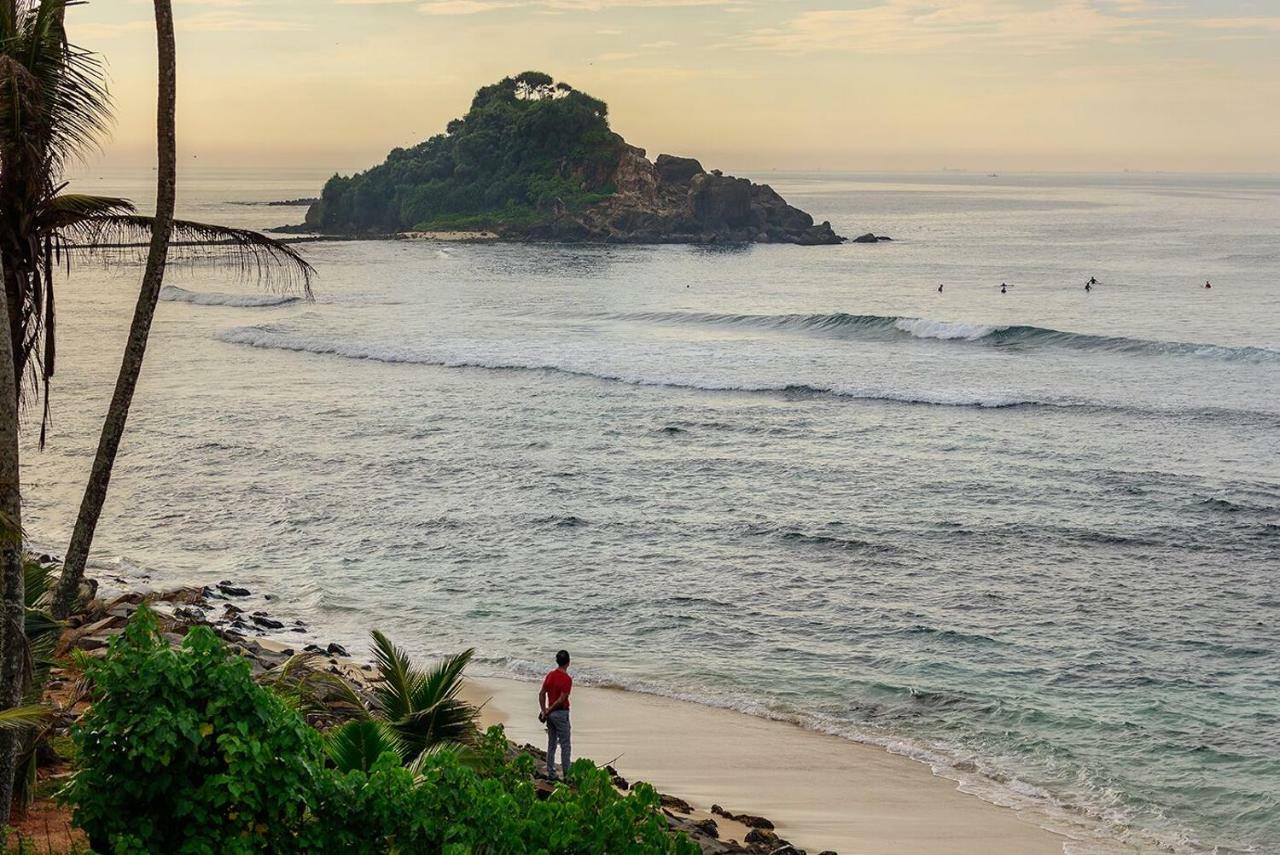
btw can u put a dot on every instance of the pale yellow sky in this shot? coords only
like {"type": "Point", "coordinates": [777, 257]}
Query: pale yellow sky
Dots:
{"type": "Point", "coordinates": [748, 84]}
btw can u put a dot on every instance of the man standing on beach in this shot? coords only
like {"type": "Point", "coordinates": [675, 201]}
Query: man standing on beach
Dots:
{"type": "Point", "coordinates": [554, 702]}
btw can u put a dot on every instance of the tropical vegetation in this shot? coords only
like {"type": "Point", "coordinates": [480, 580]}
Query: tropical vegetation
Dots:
{"type": "Point", "coordinates": [527, 147]}
{"type": "Point", "coordinates": [184, 752]}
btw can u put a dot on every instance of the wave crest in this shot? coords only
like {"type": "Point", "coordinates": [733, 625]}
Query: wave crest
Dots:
{"type": "Point", "coordinates": [844, 325]}
{"type": "Point", "coordinates": [174, 294]}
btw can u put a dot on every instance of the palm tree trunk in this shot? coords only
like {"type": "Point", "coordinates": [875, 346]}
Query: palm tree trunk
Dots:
{"type": "Point", "coordinates": [95, 493]}
{"type": "Point", "coordinates": [13, 643]}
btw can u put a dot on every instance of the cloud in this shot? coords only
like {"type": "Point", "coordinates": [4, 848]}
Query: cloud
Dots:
{"type": "Point", "coordinates": [463, 7]}
{"type": "Point", "coordinates": [919, 26]}
{"type": "Point", "coordinates": [1259, 25]}
{"type": "Point", "coordinates": [473, 7]}
{"type": "Point", "coordinates": [658, 45]}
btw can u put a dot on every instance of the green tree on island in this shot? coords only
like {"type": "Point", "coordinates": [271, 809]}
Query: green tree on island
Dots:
{"type": "Point", "coordinates": [527, 146]}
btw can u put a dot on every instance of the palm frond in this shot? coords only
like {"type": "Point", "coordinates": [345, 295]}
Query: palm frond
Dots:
{"type": "Point", "coordinates": [443, 681]}
{"type": "Point", "coordinates": [65, 209]}
{"type": "Point", "coordinates": [397, 680]}
{"type": "Point", "coordinates": [313, 690]}
{"type": "Point", "coordinates": [253, 255]}
{"type": "Point", "coordinates": [448, 721]}
{"type": "Point", "coordinates": [37, 581]}
{"type": "Point", "coordinates": [357, 745]}
{"type": "Point", "coordinates": [435, 713]}
{"type": "Point", "coordinates": [18, 718]}
{"type": "Point", "coordinates": [419, 763]}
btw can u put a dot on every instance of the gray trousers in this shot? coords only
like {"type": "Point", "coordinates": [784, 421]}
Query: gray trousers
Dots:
{"type": "Point", "coordinates": [558, 732]}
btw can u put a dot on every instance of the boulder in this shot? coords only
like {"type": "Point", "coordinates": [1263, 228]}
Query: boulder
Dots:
{"type": "Point", "coordinates": [762, 836]}
{"type": "Point", "coordinates": [675, 803]}
{"type": "Point", "coordinates": [231, 590]}
{"type": "Point", "coordinates": [677, 170]}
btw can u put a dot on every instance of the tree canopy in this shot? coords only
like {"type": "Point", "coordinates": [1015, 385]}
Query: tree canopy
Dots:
{"type": "Point", "coordinates": [527, 147]}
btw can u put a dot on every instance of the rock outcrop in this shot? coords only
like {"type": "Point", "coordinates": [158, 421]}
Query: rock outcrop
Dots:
{"type": "Point", "coordinates": [674, 200]}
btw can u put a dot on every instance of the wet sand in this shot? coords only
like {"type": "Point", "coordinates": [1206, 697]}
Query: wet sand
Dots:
{"type": "Point", "coordinates": [821, 791]}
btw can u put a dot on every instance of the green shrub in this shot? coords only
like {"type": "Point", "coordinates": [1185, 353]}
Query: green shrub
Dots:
{"type": "Point", "coordinates": [183, 752]}
{"type": "Point", "coordinates": [479, 800]}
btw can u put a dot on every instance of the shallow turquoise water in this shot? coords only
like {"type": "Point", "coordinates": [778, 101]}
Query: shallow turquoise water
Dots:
{"type": "Point", "coordinates": [1030, 538]}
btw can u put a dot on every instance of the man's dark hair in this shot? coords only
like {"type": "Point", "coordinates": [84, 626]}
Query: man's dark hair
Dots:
{"type": "Point", "coordinates": [562, 658]}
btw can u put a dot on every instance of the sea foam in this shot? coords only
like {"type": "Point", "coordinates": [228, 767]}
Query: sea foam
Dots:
{"type": "Point", "coordinates": [174, 294]}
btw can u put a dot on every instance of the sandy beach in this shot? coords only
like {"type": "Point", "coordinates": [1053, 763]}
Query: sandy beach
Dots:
{"type": "Point", "coordinates": [823, 792]}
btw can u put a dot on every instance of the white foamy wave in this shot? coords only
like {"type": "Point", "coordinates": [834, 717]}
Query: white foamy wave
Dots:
{"type": "Point", "coordinates": [174, 294]}
{"type": "Point", "coordinates": [272, 338]}
{"type": "Point", "coordinates": [944, 330]}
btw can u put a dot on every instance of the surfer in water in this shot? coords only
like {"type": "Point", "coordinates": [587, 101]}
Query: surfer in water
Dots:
{"type": "Point", "coordinates": [1088, 286]}
{"type": "Point", "coordinates": [1206, 284]}
{"type": "Point", "coordinates": [939, 288]}
{"type": "Point", "coordinates": [1004, 289]}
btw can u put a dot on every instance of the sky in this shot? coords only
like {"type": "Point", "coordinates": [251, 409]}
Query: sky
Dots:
{"type": "Point", "coordinates": [859, 85]}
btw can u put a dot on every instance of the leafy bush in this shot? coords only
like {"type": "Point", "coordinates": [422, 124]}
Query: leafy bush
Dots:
{"type": "Point", "coordinates": [481, 801]}
{"type": "Point", "coordinates": [183, 752]}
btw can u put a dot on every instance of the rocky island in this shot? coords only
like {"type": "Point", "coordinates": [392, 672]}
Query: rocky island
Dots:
{"type": "Point", "coordinates": [534, 159]}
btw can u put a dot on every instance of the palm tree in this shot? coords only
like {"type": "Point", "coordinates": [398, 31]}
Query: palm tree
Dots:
{"type": "Point", "coordinates": [411, 712]}
{"type": "Point", "coordinates": [54, 107]}
{"type": "Point", "coordinates": [103, 224]}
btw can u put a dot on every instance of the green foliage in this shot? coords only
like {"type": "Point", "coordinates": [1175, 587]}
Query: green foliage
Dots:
{"type": "Point", "coordinates": [421, 708]}
{"type": "Point", "coordinates": [489, 806]}
{"type": "Point", "coordinates": [527, 146]}
{"type": "Point", "coordinates": [183, 752]}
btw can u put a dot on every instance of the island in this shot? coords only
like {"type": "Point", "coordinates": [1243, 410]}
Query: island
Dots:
{"type": "Point", "coordinates": [535, 159]}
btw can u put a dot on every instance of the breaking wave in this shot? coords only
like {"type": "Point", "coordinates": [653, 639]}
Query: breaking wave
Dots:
{"type": "Point", "coordinates": [174, 294]}
{"type": "Point", "coordinates": [273, 339]}
{"type": "Point", "coordinates": [843, 325]}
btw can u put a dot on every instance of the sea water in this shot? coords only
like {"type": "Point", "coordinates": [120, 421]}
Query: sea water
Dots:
{"type": "Point", "coordinates": [1031, 538]}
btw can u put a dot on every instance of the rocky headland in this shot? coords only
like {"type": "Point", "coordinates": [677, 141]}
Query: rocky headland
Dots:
{"type": "Point", "coordinates": [535, 160]}
{"type": "Point", "coordinates": [674, 200]}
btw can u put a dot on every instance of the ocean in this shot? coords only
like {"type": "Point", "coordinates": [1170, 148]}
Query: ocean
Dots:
{"type": "Point", "coordinates": [1030, 538]}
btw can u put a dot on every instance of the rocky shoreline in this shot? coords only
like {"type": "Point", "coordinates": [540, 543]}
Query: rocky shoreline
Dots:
{"type": "Point", "coordinates": [231, 611]}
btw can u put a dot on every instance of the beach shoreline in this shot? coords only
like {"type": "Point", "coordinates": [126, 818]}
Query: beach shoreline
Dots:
{"type": "Point", "coordinates": [823, 792]}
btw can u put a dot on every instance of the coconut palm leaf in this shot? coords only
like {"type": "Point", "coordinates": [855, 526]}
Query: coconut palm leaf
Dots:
{"type": "Point", "coordinates": [253, 255]}
{"type": "Point", "coordinates": [397, 682]}
{"type": "Point", "coordinates": [65, 209]}
{"type": "Point", "coordinates": [422, 707]}
{"type": "Point", "coordinates": [312, 690]}
{"type": "Point", "coordinates": [357, 745]}
{"type": "Point", "coordinates": [20, 718]}
{"type": "Point", "coordinates": [419, 764]}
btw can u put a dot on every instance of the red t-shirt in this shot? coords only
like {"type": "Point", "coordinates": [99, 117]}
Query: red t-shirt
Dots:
{"type": "Point", "coordinates": [556, 684]}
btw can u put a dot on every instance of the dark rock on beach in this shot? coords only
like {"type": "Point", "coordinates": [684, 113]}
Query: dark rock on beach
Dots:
{"type": "Point", "coordinates": [749, 820]}
{"type": "Point", "coordinates": [231, 590]}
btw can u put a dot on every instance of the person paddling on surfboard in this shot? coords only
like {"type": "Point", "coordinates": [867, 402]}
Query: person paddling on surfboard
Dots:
{"type": "Point", "coordinates": [1004, 289]}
